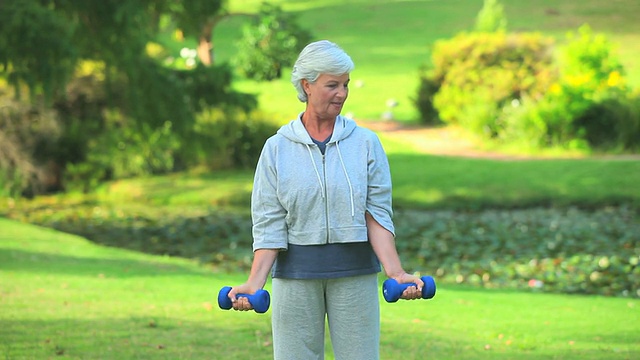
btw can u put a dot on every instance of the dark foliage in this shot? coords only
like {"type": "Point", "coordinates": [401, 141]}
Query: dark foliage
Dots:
{"type": "Point", "coordinates": [540, 249]}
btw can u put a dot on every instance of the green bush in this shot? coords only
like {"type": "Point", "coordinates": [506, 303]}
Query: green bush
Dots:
{"type": "Point", "coordinates": [102, 135]}
{"type": "Point", "coordinates": [220, 139]}
{"type": "Point", "coordinates": [513, 88]}
{"type": "Point", "coordinates": [612, 123]}
{"type": "Point", "coordinates": [228, 137]}
{"type": "Point", "coordinates": [122, 152]}
{"type": "Point", "coordinates": [545, 122]}
{"type": "Point", "coordinates": [588, 107]}
{"type": "Point", "coordinates": [610, 119]}
{"type": "Point", "coordinates": [476, 74]}
{"type": "Point", "coordinates": [28, 133]}
{"type": "Point", "coordinates": [428, 87]}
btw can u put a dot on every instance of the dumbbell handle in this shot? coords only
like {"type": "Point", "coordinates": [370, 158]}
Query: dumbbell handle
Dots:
{"type": "Point", "coordinates": [259, 301]}
{"type": "Point", "coordinates": [392, 290]}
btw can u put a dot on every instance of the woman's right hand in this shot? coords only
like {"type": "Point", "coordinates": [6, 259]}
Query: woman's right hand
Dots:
{"type": "Point", "coordinates": [263, 260]}
{"type": "Point", "coordinates": [242, 303]}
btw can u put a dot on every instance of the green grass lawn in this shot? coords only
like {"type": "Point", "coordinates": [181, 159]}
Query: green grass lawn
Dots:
{"type": "Point", "coordinates": [424, 181]}
{"type": "Point", "coordinates": [63, 297]}
{"type": "Point", "coordinates": [390, 40]}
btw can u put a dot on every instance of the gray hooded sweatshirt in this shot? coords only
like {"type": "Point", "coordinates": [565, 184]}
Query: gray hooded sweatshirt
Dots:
{"type": "Point", "coordinates": [303, 197]}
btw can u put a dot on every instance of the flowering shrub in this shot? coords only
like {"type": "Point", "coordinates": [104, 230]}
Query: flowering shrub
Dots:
{"type": "Point", "coordinates": [475, 74]}
{"type": "Point", "coordinates": [588, 106]}
{"type": "Point", "coordinates": [510, 88]}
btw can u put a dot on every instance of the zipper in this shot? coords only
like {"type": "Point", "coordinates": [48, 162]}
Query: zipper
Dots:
{"type": "Point", "coordinates": [326, 195]}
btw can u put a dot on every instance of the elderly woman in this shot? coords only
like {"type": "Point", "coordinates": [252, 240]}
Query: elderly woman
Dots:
{"type": "Point", "coordinates": [322, 221]}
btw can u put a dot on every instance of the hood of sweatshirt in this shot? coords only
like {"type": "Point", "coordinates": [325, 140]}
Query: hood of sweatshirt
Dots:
{"type": "Point", "coordinates": [295, 130]}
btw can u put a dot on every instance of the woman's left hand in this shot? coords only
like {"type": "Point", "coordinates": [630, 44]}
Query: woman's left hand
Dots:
{"type": "Point", "coordinates": [412, 292]}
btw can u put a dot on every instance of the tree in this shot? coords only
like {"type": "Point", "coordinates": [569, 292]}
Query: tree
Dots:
{"type": "Point", "coordinates": [52, 47]}
{"type": "Point", "coordinates": [36, 47]}
{"type": "Point", "coordinates": [270, 43]}
{"type": "Point", "coordinates": [198, 19]}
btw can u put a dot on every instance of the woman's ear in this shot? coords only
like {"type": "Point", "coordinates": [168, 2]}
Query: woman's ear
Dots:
{"type": "Point", "coordinates": [306, 86]}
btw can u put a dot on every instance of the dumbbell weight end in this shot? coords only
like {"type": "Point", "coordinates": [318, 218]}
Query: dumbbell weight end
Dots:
{"type": "Point", "coordinates": [392, 290]}
{"type": "Point", "coordinates": [260, 301]}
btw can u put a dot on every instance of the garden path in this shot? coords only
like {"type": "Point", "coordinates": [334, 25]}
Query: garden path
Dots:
{"type": "Point", "coordinates": [447, 141]}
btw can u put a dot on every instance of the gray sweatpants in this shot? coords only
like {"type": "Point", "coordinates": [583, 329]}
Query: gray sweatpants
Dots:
{"type": "Point", "coordinates": [299, 310]}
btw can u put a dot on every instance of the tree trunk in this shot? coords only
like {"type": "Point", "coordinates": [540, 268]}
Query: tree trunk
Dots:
{"type": "Point", "coordinates": [205, 43]}
{"type": "Point", "coordinates": [205, 50]}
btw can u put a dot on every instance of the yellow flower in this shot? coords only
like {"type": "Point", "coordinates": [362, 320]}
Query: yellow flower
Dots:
{"type": "Point", "coordinates": [91, 67]}
{"type": "Point", "coordinates": [578, 80]}
{"type": "Point", "coordinates": [178, 35]}
{"type": "Point", "coordinates": [555, 89]}
{"type": "Point", "coordinates": [614, 79]}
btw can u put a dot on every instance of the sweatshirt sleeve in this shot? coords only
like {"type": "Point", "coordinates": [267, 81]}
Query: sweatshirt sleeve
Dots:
{"type": "Point", "coordinates": [268, 216]}
{"type": "Point", "coordinates": [379, 187]}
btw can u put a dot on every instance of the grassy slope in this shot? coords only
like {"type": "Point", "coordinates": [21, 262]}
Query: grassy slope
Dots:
{"type": "Point", "coordinates": [390, 40]}
{"type": "Point", "coordinates": [62, 296]}
{"type": "Point", "coordinates": [425, 181]}
{"type": "Point", "coordinates": [422, 182]}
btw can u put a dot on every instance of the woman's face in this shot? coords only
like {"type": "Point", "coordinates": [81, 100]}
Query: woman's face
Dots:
{"type": "Point", "coordinates": [327, 95]}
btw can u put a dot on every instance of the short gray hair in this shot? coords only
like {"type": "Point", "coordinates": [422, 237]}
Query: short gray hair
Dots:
{"type": "Point", "coordinates": [320, 57]}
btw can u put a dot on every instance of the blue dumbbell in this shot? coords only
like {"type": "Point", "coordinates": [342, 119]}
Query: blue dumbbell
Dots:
{"type": "Point", "coordinates": [392, 290]}
{"type": "Point", "coordinates": [259, 301]}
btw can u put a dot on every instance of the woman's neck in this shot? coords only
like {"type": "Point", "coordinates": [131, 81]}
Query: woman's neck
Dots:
{"type": "Point", "coordinates": [317, 128]}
